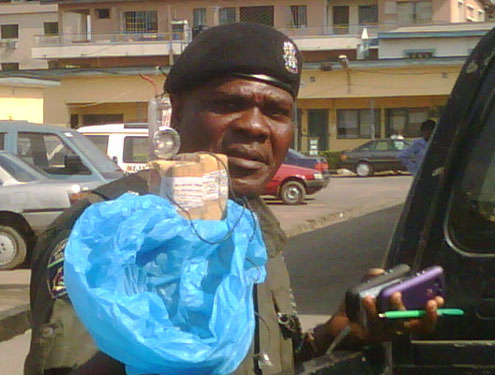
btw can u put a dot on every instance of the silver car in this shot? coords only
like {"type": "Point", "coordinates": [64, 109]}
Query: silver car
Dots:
{"type": "Point", "coordinates": [29, 202]}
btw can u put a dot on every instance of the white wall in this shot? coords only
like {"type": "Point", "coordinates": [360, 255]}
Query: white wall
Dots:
{"type": "Point", "coordinates": [443, 47]}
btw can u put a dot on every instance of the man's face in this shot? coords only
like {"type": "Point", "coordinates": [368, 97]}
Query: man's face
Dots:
{"type": "Point", "coordinates": [249, 121]}
{"type": "Point", "coordinates": [427, 134]}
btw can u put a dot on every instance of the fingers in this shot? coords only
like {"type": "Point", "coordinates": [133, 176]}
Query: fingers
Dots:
{"type": "Point", "coordinates": [372, 272]}
{"type": "Point", "coordinates": [396, 302]}
{"type": "Point", "coordinates": [369, 303]}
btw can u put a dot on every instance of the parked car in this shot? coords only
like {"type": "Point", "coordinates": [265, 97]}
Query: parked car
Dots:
{"type": "Point", "coordinates": [375, 156]}
{"type": "Point", "coordinates": [292, 183]}
{"type": "Point", "coordinates": [29, 202]}
{"type": "Point", "coordinates": [62, 153]}
{"type": "Point", "coordinates": [125, 144]}
{"type": "Point", "coordinates": [294, 157]}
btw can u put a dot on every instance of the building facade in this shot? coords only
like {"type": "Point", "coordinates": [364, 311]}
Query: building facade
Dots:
{"type": "Point", "coordinates": [372, 68]}
{"type": "Point", "coordinates": [20, 22]}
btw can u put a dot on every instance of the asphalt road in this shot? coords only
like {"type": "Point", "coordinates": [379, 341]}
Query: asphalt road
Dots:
{"type": "Point", "coordinates": [324, 263]}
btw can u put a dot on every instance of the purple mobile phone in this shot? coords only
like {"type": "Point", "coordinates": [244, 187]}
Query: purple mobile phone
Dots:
{"type": "Point", "coordinates": [416, 289]}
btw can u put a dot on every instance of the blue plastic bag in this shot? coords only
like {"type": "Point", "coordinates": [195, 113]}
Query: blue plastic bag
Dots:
{"type": "Point", "coordinates": [155, 296]}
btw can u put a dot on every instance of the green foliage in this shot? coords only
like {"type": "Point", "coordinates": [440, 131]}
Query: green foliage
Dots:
{"type": "Point", "coordinates": [333, 158]}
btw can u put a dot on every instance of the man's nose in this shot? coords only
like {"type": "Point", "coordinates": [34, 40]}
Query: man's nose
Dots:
{"type": "Point", "coordinates": [253, 123]}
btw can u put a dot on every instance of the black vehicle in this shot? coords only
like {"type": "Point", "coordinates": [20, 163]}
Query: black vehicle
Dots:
{"type": "Point", "coordinates": [314, 162]}
{"type": "Point", "coordinates": [375, 156]}
{"type": "Point", "coordinates": [448, 220]}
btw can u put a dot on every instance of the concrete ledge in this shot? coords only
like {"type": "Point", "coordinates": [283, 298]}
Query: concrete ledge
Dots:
{"type": "Point", "coordinates": [14, 322]}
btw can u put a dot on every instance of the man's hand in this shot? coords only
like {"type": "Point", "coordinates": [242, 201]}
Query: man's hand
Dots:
{"type": "Point", "coordinates": [380, 330]}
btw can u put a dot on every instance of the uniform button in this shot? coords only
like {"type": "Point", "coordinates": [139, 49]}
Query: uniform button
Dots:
{"type": "Point", "coordinates": [47, 332]}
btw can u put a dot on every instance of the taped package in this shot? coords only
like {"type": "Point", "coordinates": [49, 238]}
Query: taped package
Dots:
{"type": "Point", "coordinates": [197, 184]}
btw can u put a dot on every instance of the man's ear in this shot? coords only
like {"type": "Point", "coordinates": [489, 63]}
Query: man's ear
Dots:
{"type": "Point", "coordinates": [177, 102]}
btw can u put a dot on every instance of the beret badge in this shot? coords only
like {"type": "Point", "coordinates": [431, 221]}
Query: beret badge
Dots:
{"type": "Point", "coordinates": [290, 58]}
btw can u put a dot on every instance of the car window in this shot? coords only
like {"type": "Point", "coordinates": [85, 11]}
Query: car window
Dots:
{"type": "Point", "coordinates": [16, 170]}
{"type": "Point", "coordinates": [398, 145]}
{"type": "Point", "coordinates": [100, 140]}
{"type": "Point", "coordinates": [46, 152]}
{"type": "Point", "coordinates": [381, 146]}
{"type": "Point", "coordinates": [2, 141]}
{"type": "Point", "coordinates": [472, 210]}
{"type": "Point", "coordinates": [366, 147]}
{"type": "Point", "coordinates": [98, 159]}
{"type": "Point", "coordinates": [135, 150]}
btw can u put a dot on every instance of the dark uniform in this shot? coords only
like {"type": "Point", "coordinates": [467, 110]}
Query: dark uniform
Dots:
{"type": "Point", "coordinates": [60, 343]}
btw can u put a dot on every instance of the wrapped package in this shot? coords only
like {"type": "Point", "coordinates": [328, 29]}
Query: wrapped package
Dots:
{"type": "Point", "coordinates": [163, 294]}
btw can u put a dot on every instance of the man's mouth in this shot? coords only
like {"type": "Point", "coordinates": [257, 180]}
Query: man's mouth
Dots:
{"type": "Point", "coordinates": [246, 158]}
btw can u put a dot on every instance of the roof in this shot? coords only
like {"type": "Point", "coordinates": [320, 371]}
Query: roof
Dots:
{"type": "Point", "coordinates": [29, 126]}
{"type": "Point", "coordinates": [115, 128]}
{"type": "Point", "coordinates": [20, 81]}
{"type": "Point", "coordinates": [448, 30]}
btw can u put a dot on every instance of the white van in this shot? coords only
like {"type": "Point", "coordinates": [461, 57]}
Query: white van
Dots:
{"type": "Point", "coordinates": [126, 144]}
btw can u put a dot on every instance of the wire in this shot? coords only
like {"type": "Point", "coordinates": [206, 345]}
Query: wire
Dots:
{"type": "Point", "coordinates": [150, 81]}
{"type": "Point", "coordinates": [231, 230]}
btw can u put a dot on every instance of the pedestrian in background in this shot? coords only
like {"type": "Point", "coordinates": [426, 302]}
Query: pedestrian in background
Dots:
{"type": "Point", "coordinates": [412, 156]}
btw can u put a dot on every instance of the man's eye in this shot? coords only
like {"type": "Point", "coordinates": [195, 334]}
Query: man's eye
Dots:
{"type": "Point", "coordinates": [278, 113]}
{"type": "Point", "coordinates": [225, 106]}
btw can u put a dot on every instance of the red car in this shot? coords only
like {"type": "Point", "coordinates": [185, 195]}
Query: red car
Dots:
{"type": "Point", "coordinates": [291, 183]}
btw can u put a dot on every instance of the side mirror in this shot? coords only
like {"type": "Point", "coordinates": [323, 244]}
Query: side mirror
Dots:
{"type": "Point", "coordinates": [74, 164]}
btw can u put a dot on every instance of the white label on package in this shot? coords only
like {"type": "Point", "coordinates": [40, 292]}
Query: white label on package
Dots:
{"type": "Point", "coordinates": [215, 185]}
{"type": "Point", "coordinates": [187, 192]}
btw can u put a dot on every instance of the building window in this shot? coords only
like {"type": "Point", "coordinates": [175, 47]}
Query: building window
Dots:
{"type": "Point", "coordinates": [358, 123]}
{"type": "Point", "coordinates": [141, 22]}
{"type": "Point", "coordinates": [10, 31]}
{"type": "Point", "coordinates": [368, 14]}
{"type": "Point", "coordinates": [299, 16]}
{"type": "Point", "coordinates": [340, 19]}
{"type": "Point", "coordinates": [263, 15]}
{"type": "Point", "coordinates": [98, 119]}
{"type": "Point", "coordinates": [103, 13]}
{"type": "Point", "coordinates": [227, 15]}
{"type": "Point", "coordinates": [414, 12]}
{"type": "Point", "coordinates": [419, 54]}
{"type": "Point", "coordinates": [199, 17]}
{"type": "Point", "coordinates": [9, 66]}
{"type": "Point", "coordinates": [406, 121]}
{"type": "Point", "coordinates": [50, 28]}
{"type": "Point", "coordinates": [2, 141]}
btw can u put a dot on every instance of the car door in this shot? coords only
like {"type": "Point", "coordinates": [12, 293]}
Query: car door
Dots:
{"type": "Point", "coordinates": [380, 156]}
{"type": "Point", "coordinates": [449, 220]}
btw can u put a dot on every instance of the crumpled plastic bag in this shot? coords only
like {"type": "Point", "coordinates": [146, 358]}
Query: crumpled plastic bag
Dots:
{"type": "Point", "coordinates": [155, 296]}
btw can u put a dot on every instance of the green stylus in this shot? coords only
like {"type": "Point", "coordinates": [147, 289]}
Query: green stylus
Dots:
{"type": "Point", "coordinates": [409, 314]}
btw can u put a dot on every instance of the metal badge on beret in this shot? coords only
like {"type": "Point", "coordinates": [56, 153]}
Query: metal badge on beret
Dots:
{"type": "Point", "coordinates": [290, 57]}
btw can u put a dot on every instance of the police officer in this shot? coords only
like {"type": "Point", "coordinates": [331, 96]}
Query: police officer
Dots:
{"type": "Point", "coordinates": [233, 91]}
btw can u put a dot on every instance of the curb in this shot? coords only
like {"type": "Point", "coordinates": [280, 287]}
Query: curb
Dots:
{"type": "Point", "coordinates": [335, 217]}
{"type": "Point", "coordinates": [14, 322]}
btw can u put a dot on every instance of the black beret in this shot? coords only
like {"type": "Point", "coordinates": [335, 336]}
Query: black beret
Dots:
{"type": "Point", "coordinates": [240, 49]}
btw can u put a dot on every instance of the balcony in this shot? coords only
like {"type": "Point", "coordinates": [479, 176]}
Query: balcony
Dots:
{"type": "Point", "coordinates": [108, 45]}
